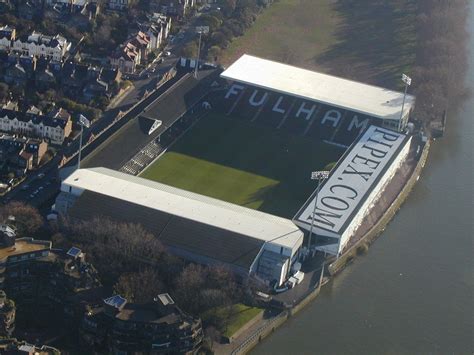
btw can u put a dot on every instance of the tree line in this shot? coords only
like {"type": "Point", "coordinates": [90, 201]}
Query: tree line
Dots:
{"type": "Point", "coordinates": [233, 19]}
{"type": "Point", "coordinates": [441, 57]}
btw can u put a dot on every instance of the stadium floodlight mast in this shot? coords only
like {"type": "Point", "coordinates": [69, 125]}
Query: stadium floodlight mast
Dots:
{"type": "Point", "coordinates": [83, 121]}
{"type": "Point", "coordinates": [407, 80]}
{"type": "Point", "coordinates": [320, 176]}
{"type": "Point", "coordinates": [200, 30]}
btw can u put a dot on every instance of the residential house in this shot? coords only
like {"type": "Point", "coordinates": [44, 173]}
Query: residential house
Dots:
{"type": "Point", "coordinates": [22, 154]}
{"type": "Point", "coordinates": [37, 44]}
{"type": "Point", "coordinates": [132, 53]}
{"type": "Point", "coordinates": [27, 10]}
{"type": "Point", "coordinates": [129, 328]}
{"type": "Point", "coordinates": [7, 36]}
{"type": "Point", "coordinates": [117, 4]}
{"type": "Point", "coordinates": [45, 79]}
{"type": "Point", "coordinates": [141, 41]}
{"type": "Point", "coordinates": [55, 129]}
{"type": "Point", "coordinates": [16, 75]}
{"type": "Point", "coordinates": [73, 78]}
{"type": "Point", "coordinates": [157, 29]}
{"type": "Point", "coordinates": [176, 8]}
{"type": "Point", "coordinates": [126, 58]}
{"type": "Point", "coordinates": [57, 280]}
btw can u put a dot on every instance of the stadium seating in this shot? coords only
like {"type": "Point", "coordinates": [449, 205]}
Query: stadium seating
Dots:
{"type": "Point", "coordinates": [270, 115]}
{"type": "Point", "coordinates": [352, 127]}
{"type": "Point", "coordinates": [299, 117]}
{"type": "Point", "coordinates": [292, 114]}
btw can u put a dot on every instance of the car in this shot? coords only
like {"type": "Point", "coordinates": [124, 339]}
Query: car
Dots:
{"type": "Point", "coordinates": [31, 196]}
{"type": "Point", "coordinates": [167, 53]}
{"type": "Point", "coordinates": [25, 187]}
{"type": "Point", "coordinates": [40, 188]}
{"type": "Point", "coordinates": [41, 175]}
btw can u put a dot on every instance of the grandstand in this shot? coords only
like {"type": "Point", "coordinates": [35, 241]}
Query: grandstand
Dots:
{"type": "Point", "coordinates": [192, 226]}
{"type": "Point", "coordinates": [356, 183]}
{"type": "Point", "coordinates": [308, 103]}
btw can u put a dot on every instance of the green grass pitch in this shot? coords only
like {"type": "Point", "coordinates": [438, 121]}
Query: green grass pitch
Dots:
{"type": "Point", "coordinates": [246, 164]}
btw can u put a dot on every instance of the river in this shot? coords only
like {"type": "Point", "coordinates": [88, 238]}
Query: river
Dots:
{"type": "Point", "coordinates": [413, 292]}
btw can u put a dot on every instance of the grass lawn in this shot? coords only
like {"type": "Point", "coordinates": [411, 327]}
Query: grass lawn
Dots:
{"type": "Point", "coordinates": [242, 314]}
{"type": "Point", "coordinates": [246, 164]}
{"type": "Point", "coordinates": [371, 41]}
{"type": "Point", "coordinates": [292, 31]}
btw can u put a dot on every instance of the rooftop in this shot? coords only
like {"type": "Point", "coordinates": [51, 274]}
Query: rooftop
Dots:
{"type": "Point", "coordinates": [188, 205]}
{"type": "Point", "coordinates": [351, 181]}
{"type": "Point", "coordinates": [346, 94]}
{"type": "Point", "coordinates": [23, 246]}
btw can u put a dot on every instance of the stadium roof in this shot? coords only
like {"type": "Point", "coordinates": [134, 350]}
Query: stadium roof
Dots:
{"type": "Point", "coordinates": [186, 205]}
{"type": "Point", "coordinates": [309, 85]}
{"type": "Point", "coordinates": [352, 181]}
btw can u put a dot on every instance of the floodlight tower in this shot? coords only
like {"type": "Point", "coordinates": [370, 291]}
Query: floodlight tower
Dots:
{"type": "Point", "coordinates": [407, 80]}
{"type": "Point", "coordinates": [200, 30]}
{"type": "Point", "coordinates": [320, 176]}
{"type": "Point", "coordinates": [83, 121]}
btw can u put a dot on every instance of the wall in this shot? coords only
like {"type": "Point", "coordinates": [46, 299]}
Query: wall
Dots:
{"type": "Point", "coordinates": [371, 235]}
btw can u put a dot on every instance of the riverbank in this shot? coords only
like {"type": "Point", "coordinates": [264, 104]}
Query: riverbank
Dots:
{"type": "Point", "coordinates": [266, 326]}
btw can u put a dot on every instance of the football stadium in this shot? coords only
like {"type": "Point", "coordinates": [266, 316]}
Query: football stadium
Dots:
{"type": "Point", "coordinates": [234, 188]}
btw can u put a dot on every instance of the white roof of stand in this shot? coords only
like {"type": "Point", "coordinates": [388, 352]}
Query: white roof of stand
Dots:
{"type": "Point", "coordinates": [309, 85]}
{"type": "Point", "coordinates": [189, 205]}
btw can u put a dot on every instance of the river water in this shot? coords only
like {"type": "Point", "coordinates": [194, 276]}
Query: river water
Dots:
{"type": "Point", "coordinates": [413, 292]}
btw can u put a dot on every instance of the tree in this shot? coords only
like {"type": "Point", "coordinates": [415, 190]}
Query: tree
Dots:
{"type": "Point", "coordinates": [213, 53]}
{"type": "Point", "coordinates": [190, 50]}
{"type": "Point", "coordinates": [114, 248]}
{"type": "Point", "coordinates": [27, 218]}
{"type": "Point", "coordinates": [219, 39]}
{"type": "Point", "coordinates": [142, 286]}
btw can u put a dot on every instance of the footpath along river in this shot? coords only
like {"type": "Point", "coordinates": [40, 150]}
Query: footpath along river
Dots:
{"type": "Point", "coordinates": [413, 292]}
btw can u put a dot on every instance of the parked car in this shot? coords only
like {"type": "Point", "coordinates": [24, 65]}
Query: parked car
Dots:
{"type": "Point", "coordinates": [41, 175]}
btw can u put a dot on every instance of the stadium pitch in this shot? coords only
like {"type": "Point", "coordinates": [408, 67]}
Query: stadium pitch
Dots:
{"type": "Point", "coordinates": [236, 161]}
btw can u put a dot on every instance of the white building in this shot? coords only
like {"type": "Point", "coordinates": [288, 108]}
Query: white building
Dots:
{"type": "Point", "coordinates": [356, 97]}
{"type": "Point", "coordinates": [157, 28]}
{"type": "Point", "coordinates": [7, 35]}
{"type": "Point", "coordinates": [354, 186]}
{"type": "Point", "coordinates": [192, 226]}
{"type": "Point", "coordinates": [40, 45]}
{"type": "Point", "coordinates": [55, 129]}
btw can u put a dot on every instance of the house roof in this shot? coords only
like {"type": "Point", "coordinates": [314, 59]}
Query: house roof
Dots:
{"type": "Point", "coordinates": [310, 85]}
{"type": "Point", "coordinates": [34, 118]}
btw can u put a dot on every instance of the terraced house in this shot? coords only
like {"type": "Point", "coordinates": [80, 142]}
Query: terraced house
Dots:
{"type": "Point", "coordinates": [39, 45]}
{"type": "Point", "coordinates": [54, 127]}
